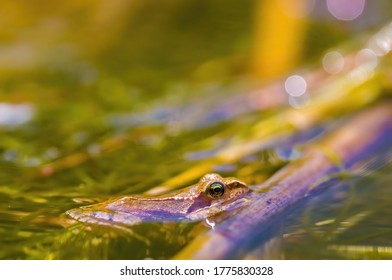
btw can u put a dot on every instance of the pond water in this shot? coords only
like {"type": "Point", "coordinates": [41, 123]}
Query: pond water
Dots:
{"type": "Point", "coordinates": [349, 221]}
{"type": "Point", "coordinates": [149, 106]}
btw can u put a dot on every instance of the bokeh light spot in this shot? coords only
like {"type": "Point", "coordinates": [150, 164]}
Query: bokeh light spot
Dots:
{"type": "Point", "coordinates": [295, 85]}
{"type": "Point", "coordinates": [333, 62]}
{"type": "Point", "coordinates": [346, 9]}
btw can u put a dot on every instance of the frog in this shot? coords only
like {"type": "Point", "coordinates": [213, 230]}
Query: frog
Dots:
{"type": "Point", "coordinates": [210, 196]}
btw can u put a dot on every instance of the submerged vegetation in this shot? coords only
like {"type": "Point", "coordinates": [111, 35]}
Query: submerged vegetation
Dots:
{"type": "Point", "coordinates": [102, 99]}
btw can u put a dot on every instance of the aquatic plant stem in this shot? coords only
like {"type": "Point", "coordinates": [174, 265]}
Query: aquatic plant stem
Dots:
{"type": "Point", "coordinates": [351, 143]}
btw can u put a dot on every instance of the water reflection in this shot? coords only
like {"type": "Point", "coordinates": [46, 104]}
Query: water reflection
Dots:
{"type": "Point", "coordinates": [352, 221]}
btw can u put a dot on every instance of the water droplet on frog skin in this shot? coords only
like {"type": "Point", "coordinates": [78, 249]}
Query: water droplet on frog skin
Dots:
{"type": "Point", "coordinates": [210, 223]}
{"type": "Point", "coordinates": [231, 209]}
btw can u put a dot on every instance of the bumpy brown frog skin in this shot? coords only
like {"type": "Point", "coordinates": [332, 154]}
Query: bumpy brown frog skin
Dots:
{"type": "Point", "coordinates": [193, 203]}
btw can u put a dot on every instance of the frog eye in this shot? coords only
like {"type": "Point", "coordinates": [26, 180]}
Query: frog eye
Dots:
{"type": "Point", "coordinates": [216, 190]}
